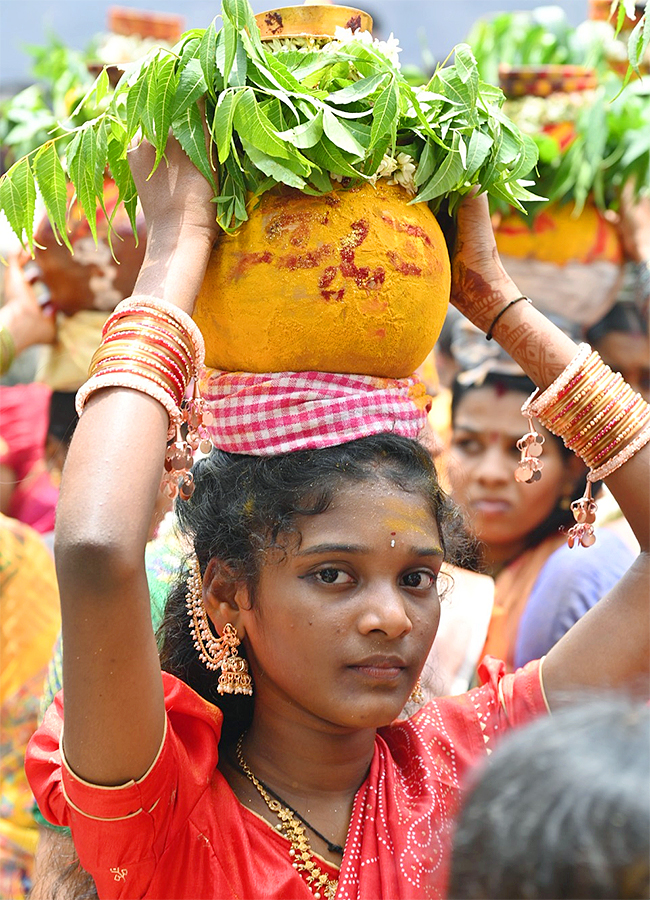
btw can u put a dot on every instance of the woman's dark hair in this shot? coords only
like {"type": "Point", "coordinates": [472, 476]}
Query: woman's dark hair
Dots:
{"type": "Point", "coordinates": [623, 317]}
{"type": "Point", "coordinates": [245, 505]}
{"type": "Point", "coordinates": [561, 810]}
{"type": "Point", "coordinates": [561, 517]}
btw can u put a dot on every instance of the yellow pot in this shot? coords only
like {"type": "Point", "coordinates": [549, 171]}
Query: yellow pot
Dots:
{"type": "Point", "coordinates": [354, 281]}
{"type": "Point", "coordinates": [568, 264]}
{"type": "Point", "coordinates": [558, 235]}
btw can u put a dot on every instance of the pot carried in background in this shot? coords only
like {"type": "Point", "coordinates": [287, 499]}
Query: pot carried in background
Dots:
{"type": "Point", "coordinates": [570, 261]}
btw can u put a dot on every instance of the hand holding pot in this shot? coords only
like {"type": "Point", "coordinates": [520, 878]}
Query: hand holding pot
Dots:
{"type": "Point", "coordinates": [181, 223]}
{"type": "Point", "coordinates": [480, 285]}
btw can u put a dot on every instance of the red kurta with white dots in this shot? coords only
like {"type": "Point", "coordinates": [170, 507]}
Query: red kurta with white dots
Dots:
{"type": "Point", "coordinates": [180, 832]}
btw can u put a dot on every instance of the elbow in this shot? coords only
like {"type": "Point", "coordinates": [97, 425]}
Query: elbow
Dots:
{"type": "Point", "coordinates": [95, 563]}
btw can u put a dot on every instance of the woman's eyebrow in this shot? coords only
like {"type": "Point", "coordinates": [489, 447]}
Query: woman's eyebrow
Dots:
{"type": "Point", "coordinates": [333, 548]}
{"type": "Point", "coordinates": [356, 548]}
{"type": "Point", "coordinates": [427, 551]}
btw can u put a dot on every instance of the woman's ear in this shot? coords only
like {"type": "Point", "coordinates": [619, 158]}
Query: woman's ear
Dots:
{"type": "Point", "coordinates": [224, 596]}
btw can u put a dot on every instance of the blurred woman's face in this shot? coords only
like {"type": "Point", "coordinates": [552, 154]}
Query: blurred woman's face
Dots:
{"type": "Point", "coordinates": [628, 354]}
{"type": "Point", "coordinates": [502, 512]}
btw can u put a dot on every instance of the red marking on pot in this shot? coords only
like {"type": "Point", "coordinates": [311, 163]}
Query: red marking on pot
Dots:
{"type": "Point", "coordinates": [362, 275]}
{"type": "Point", "coordinates": [274, 22]}
{"type": "Point", "coordinates": [404, 268]}
{"type": "Point", "coordinates": [600, 243]}
{"type": "Point", "coordinates": [354, 23]}
{"type": "Point", "coordinates": [305, 260]}
{"type": "Point", "coordinates": [333, 295]}
{"type": "Point", "coordinates": [298, 223]}
{"type": "Point", "coordinates": [543, 222]}
{"type": "Point", "coordinates": [248, 260]}
{"type": "Point", "coordinates": [327, 277]}
{"type": "Point", "coordinates": [408, 228]}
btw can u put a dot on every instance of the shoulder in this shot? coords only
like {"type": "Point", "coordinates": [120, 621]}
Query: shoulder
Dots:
{"type": "Point", "coordinates": [188, 754]}
{"type": "Point", "coordinates": [466, 726]}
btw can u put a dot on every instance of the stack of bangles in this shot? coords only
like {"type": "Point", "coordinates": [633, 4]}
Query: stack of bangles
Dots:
{"type": "Point", "coordinates": [153, 347]}
{"type": "Point", "coordinates": [599, 417]}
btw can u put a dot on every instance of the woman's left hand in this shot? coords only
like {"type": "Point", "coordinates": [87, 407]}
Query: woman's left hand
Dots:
{"type": "Point", "coordinates": [480, 286]}
{"type": "Point", "coordinates": [181, 223]}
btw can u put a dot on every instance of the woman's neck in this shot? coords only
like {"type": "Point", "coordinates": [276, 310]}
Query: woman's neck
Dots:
{"type": "Point", "coordinates": [314, 771]}
{"type": "Point", "coordinates": [298, 753]}
{"type": "Point", "coordinates": [495, 557]}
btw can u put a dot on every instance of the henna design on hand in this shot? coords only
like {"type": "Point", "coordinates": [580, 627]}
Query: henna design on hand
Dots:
{"type": "Point", "coordinates": [476, 298]}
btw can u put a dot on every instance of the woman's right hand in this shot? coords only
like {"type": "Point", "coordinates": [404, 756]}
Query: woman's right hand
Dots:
{"type": "Point", "coordinates": [181, 223]}
{"type": "Point", "coordinates": [176, 196]}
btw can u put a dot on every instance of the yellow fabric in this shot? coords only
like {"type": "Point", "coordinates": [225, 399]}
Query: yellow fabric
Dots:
{"type": "Point", "coordinates": [512, 590]}
{"type": "Point", "coordinates": [65, 363]}
{"type": "Point", "coordinates": [29, 624]}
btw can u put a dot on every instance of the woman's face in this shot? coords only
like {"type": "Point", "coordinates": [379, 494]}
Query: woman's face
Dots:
{"type": "Point", "coordinates": [628, 354]}
{"type": "Point", "coordinates": [343, 621]}
{"type": "Point", "coordinates": [484, 456]}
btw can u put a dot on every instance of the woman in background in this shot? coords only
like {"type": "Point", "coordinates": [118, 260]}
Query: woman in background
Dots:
{"type": "Point", "coordinates": [542, 587]}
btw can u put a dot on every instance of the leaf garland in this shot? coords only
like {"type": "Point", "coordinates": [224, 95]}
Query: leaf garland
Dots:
{"type": "Point", "coordinates": [292, 116]}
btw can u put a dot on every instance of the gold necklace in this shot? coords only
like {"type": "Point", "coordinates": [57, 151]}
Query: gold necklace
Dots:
{"type": "Point", "coordinates": [320, 884]}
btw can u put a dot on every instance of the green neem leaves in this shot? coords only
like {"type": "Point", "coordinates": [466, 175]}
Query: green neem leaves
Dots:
{"type": "Point", "coordinates": [49, 173]}
{"type": "Point", "coordinates": [18, 199]}
{"type": "Point", "coordinates": [289, 116]}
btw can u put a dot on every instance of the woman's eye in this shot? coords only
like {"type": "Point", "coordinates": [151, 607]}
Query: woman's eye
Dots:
{"type": "Point", "coordinates": [333, 576]}
{"type": "Point", "coordinates": [470, 446]}
{"type": "Point", "coordinates": [421, 579]}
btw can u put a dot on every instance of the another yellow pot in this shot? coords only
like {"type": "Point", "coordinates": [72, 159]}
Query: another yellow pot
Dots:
{"type": "Point", "coordinates": [355, 281]}
{"type": "Point", "coordinates": [569, 265]}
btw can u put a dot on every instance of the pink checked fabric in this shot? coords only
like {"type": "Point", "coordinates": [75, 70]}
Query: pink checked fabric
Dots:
{"type": "Point", "coordinates": [271, 413]}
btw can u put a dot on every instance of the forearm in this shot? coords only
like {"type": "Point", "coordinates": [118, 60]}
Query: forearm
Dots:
{"type": "Point", "coordinates": [174, 265]}
{"type": "Point", "coordinates": [541, 349]}
{"type": "Point", "coordinates": [108, 493]}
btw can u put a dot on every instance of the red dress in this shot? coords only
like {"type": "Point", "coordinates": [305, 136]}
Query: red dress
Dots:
{"type": "Point", "coordinates": [180, 832]}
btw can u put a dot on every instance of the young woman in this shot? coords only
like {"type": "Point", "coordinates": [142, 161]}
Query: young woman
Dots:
{"type": "Point", "coordinates": [542, 586]}
{"type": "Point", "coordinates": [328, 578]}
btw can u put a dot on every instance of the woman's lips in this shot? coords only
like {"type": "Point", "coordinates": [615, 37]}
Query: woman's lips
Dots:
{"type": "Point", "coordinates": [380, 669]}
{"type": "Point", "coordinates": [491, 507]}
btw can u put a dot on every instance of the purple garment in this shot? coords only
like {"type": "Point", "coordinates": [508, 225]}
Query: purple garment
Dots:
{"type": "Point", "coordinates": [570, 583]}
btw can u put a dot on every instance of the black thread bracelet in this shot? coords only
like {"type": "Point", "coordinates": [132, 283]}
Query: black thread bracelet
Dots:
{"type": "Point", "coordinates": [488, 336]}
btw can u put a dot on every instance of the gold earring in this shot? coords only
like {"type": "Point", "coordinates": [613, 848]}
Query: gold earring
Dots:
{"type": "Point", "coordinates": [215, 652]}
{"type": "Point", "coordinates": [417, 695]}
{"type": "Point", "coordinates": [234, 678]}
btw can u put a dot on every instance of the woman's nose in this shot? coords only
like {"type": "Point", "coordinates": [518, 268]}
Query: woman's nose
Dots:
{"type": "Point", "coordinates": [494, 466]}
{"type": "Point", "coordinates": [384, 611]}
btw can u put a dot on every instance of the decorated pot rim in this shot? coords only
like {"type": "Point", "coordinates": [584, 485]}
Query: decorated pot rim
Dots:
{"type": "Point", "coordinates": [319, 20]}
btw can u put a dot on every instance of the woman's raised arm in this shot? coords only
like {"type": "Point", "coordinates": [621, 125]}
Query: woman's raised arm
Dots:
{"type": "Point", "coordinates": [114, 712]}
{"type": "Point", "coordinates": [610, 645]}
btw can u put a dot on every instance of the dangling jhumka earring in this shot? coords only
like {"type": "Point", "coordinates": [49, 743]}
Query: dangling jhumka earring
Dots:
{"type": "Point", "coordinates": [417, 695]}
{"type": "Point", "coordinates": [530, 446]}
{"type": "Point", "coordinates": [215, 652]}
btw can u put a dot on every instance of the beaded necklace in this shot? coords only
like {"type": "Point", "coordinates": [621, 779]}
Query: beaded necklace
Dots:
{"type": "Point", "coordinates": [320, 884]}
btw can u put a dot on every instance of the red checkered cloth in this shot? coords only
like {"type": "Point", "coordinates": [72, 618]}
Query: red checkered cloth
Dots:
{"type": "Point", "coordinates": [271, 413]}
